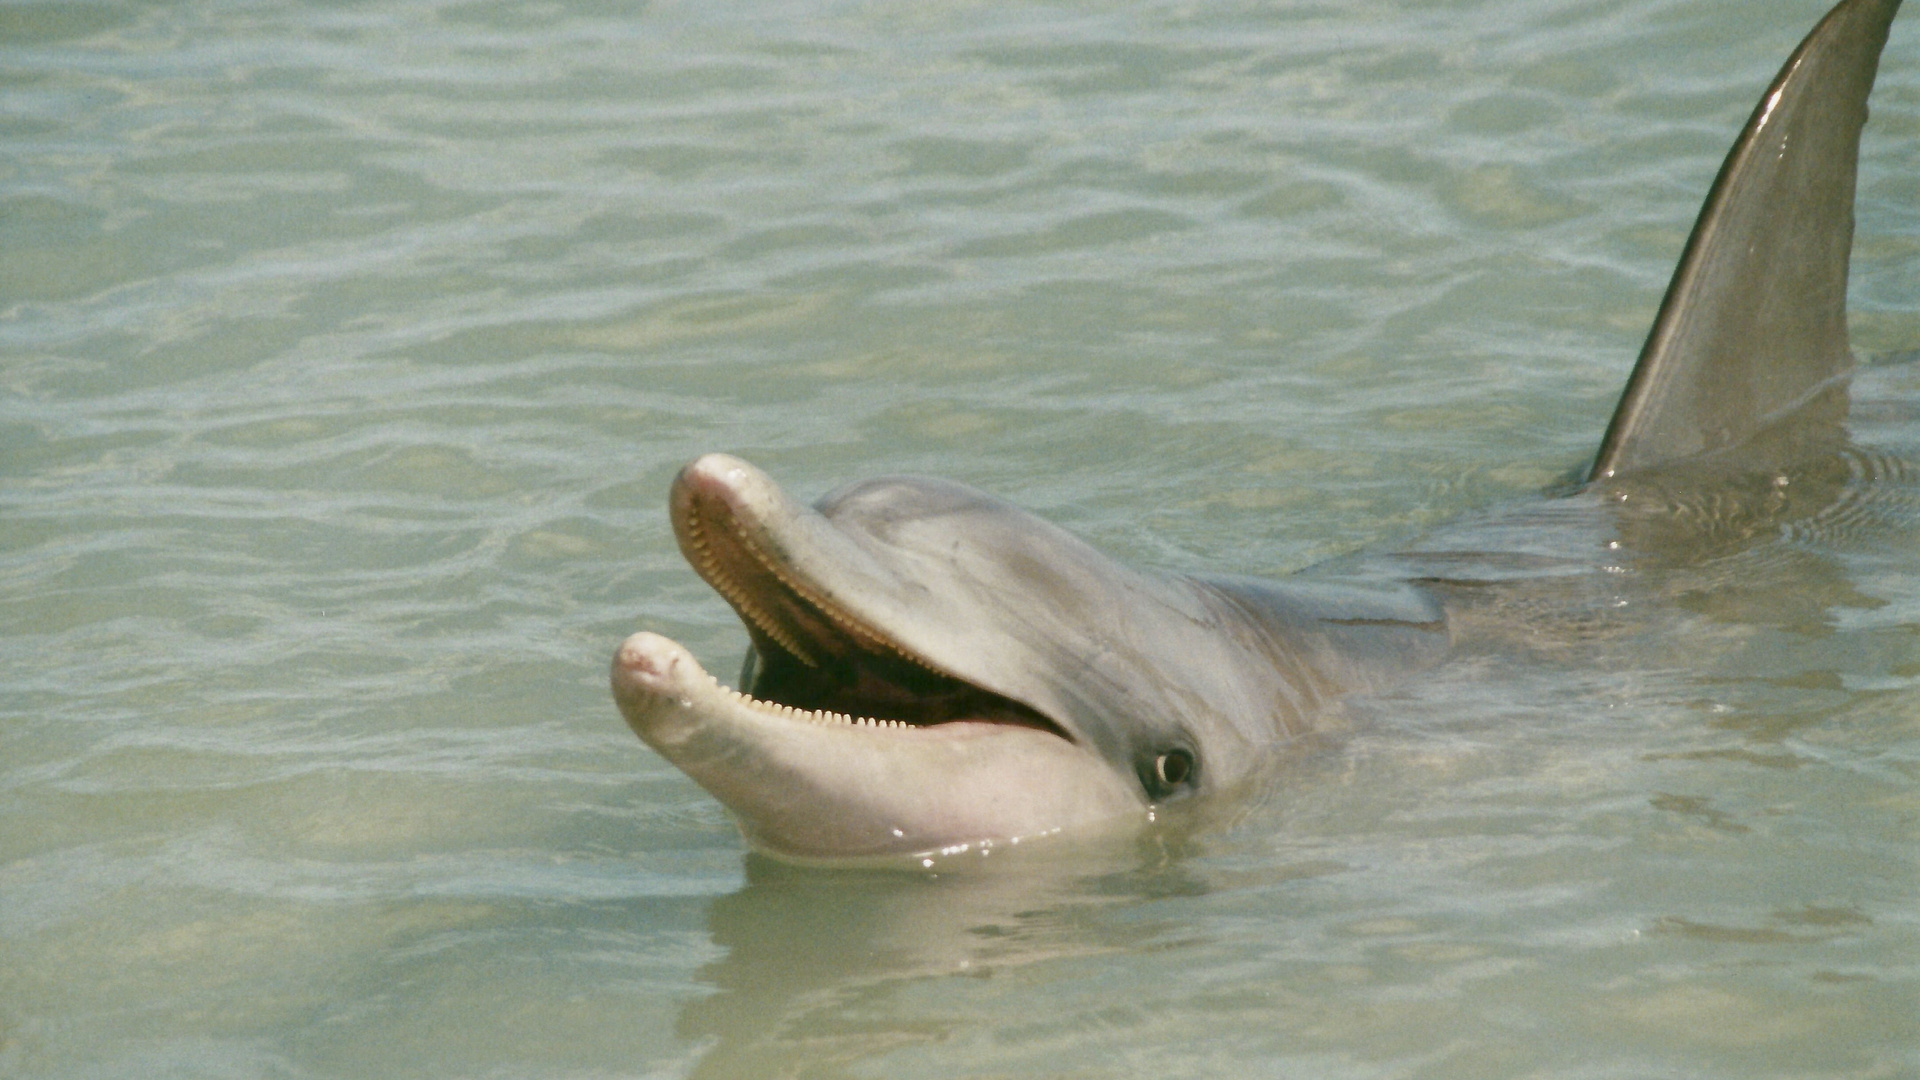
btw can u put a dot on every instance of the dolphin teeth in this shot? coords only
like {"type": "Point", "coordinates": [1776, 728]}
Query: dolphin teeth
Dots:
{"type": "Point", "coordinates": [792, 712]}
{"type": "Point", "coordinates": [710, 569]}
{"type": "Point", "coordinates": [826, 607]}
{"type": "Point", "coordinates": [821, 717]}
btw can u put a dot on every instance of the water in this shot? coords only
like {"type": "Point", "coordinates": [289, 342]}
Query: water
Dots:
{"type": "Point", "coordinates": [346, 351]}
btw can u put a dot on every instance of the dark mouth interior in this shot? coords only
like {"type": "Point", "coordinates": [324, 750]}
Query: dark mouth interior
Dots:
{"type": "Point", "coordinates": [864, 684]}
{"type": "Point", "coordinates": [810, 656]}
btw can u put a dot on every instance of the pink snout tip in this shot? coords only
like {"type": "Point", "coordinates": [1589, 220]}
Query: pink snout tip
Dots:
{"type": "Point", "coordinates": [649, 661]}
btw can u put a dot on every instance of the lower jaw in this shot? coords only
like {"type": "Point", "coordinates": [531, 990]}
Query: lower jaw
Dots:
{"type": "Point", "coordinates": [806, 790]}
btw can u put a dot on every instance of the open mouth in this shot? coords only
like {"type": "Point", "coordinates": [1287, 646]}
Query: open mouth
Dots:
{"type": "Point", "coordinates": [809, 652]}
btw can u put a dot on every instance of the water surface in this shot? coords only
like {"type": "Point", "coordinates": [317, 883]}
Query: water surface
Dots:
{"type": "Point", "coordinates": [347, 349]}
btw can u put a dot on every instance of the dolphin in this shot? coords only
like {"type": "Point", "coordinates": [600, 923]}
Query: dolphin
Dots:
{"type": "Point", "coordinates": [933, 670]}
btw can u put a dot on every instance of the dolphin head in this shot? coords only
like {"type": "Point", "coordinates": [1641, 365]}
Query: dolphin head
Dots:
{"type": "Point", "coordinates": [931, 668]}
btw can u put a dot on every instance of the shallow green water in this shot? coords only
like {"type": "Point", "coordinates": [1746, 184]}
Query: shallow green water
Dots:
{"type": "Point", "coordinates": [346, 351]}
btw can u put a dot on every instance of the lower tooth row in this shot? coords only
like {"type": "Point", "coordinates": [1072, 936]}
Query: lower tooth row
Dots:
{"type": "Point", "coordinates": [816, 716]}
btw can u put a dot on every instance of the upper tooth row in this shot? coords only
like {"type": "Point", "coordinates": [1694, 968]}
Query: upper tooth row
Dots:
{"type": "Point", "coordinates": [846, 622]}
{"type": "Point", "coordinates": [712, 572]}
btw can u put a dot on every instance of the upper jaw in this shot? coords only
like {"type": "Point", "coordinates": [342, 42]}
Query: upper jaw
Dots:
{"type": "Point", "coordinates": [739, 531]}
{"type": "Point", "coordinates": [793, 578]}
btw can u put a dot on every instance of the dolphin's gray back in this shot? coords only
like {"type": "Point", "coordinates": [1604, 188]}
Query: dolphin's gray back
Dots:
{"type": "Point", "coordinates": [1330, 639]}
{"type": "Point", "coordinates": [1749, 350]}
{"type": "Point", "coordinates": [1744, 370]}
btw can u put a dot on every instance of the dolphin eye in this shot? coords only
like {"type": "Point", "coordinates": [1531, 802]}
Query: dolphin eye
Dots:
{"type": "Point", "coordinates": [1166, 774]}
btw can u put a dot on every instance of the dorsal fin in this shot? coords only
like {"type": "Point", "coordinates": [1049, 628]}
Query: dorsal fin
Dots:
{"type": "Point", "coordinates": [1753, 330]}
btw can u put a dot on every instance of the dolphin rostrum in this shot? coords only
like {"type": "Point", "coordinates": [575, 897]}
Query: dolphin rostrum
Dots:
{"type": "Point", "coordinates": [933, 669]}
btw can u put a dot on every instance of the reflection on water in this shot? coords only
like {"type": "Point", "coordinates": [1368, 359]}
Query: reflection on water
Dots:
{"type": "Point", "coordinates": [822, 965]}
